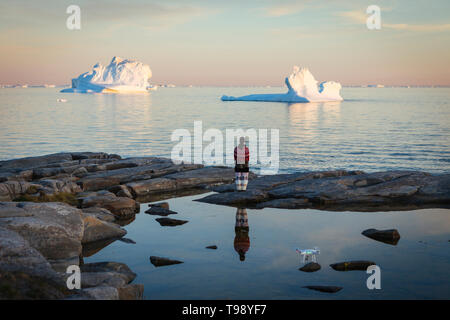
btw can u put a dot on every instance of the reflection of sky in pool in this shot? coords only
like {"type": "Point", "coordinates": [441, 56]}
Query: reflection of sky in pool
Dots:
{"type": "Point", "coordinates": [417, 267]}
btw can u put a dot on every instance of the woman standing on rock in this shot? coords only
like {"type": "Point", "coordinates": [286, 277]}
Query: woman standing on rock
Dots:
{"type": "Point", "coordinates": [241, 159]}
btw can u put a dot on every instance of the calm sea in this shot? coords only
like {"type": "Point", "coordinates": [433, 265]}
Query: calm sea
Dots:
{"type": "Point", "coordinates": [373, 129]}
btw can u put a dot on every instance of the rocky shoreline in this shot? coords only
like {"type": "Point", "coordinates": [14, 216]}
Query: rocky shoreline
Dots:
{"type": "Point", "coordinates": [340, 191]}
{"type": "Point", "coordinates": [56, 209]}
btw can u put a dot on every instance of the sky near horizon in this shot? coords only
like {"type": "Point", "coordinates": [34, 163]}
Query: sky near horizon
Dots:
{"type": "Point", "coordinates": [229, 42]}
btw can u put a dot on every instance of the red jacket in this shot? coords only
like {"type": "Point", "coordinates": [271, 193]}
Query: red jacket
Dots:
{"type": "Point", "coordinates": [247, 154]}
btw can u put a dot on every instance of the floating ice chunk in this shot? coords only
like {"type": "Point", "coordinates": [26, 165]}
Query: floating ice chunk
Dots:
{"type": "Point", "coordinates": [121, 75]}
{"type": "Point", "coordinates": [302, 87]}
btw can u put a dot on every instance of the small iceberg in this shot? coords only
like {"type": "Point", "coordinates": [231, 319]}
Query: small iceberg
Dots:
{"type": "Point", "coordinates": [120, 76]}
{"type": "Point", "coordinates": [302, 87]}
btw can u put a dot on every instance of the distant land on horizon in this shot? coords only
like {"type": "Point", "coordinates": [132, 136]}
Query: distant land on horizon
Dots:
{"type": "Point", "coordinates": [379, 86]}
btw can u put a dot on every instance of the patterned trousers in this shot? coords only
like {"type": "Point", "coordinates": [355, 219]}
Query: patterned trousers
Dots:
{"type": "Point", "coordinates": [241, 181]}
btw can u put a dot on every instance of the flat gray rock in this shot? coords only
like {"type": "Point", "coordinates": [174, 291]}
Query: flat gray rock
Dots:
{"type": "Point", "coordinates": [341, 190]}
{"type": "Point", "coordinates": [236, 198]}
{"type": "Point", "coordinates": [147, 187]}
{"type": "Point", "coordinates": [154, 168]}
{"type": "Point", "coordinates": [25, 271]}
{"type": "Point", "coordinates": [54, 229]}
{"type": "Point", "coordinates": [96, 229]}
{"type": "Point", "coordinates": [115, 267]}
{"type": "Point", "coordinates": [120, 207]}
{"type": "Point", "coordinates": [164, 205]}
{"type": "Point", "coordinates": [99, 213]}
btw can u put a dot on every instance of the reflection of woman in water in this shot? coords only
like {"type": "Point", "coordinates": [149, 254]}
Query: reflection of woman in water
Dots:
{"type": "Point", "coordinates": [241, 158]}
{"type": "Point", "coordinates": [241, 240]}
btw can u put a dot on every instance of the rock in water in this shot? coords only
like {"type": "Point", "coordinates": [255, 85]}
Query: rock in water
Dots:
{"type": "Point", "coordinates": [310, 267]}
{"type": "Point", "coordinates": [96, 229]}
{"type": "Point", "coordinates": [99, 213]}
{"type": "Point", "coordinates": [159, 261]}
{"type": "Point", "coordinates": [360, 265]}
{"type": "Point", "coordinates": [390, 236]}
{"type": "Point", "coordinates": [126, 240]}
{"type": "Point", "coordinates": [159, 211]}
{"type": "Point", "coordinates": [168, 222]}
{"type": "Point", "coordinates": [164, 205]}
{"type": "Point", "coordinates": [121, 207]}
{"type": "Point", "coordinates": [327, 289]}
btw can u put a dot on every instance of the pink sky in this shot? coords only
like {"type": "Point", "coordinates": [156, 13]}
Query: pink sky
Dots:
{"type": "Point", "coordinates": [200, 43]}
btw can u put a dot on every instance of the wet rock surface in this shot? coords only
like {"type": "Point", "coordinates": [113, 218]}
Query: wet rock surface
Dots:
{"type": "Point", "coordinates": [96, 229]}
{"type": "Point", "coordinates": [340, 190]}
{"type": "Point", "coordinates": [130, 178]}
{"type": "Point", "coordinates": [243, 198]}
{"type": "Point", "coordinates": [310, 267]}
{"type": "Point", "coordinates": [164, 205]}
{"type": "Point", "coordinates": [118, 182]}
{"type": "Point", "coordinates": [360, 265]}
{"type": "Point", "coordinates": [160, 261]}
{"type": "Point", "coordinates": [120, 207]}
{"type": "Point", "coordinates": [159, 211]}
{"type": "Point", "coordinates": [169, 222]}
{"type": "Point", "coordinates": [99, 213]}
{"type": "Point", "coordinates": [391, 236]}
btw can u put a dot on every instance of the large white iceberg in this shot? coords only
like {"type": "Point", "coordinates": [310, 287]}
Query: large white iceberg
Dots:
{"type": "Point", "coordinates": [121, 75]}
{"type": "Point", "coordinates": [302, 88]}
